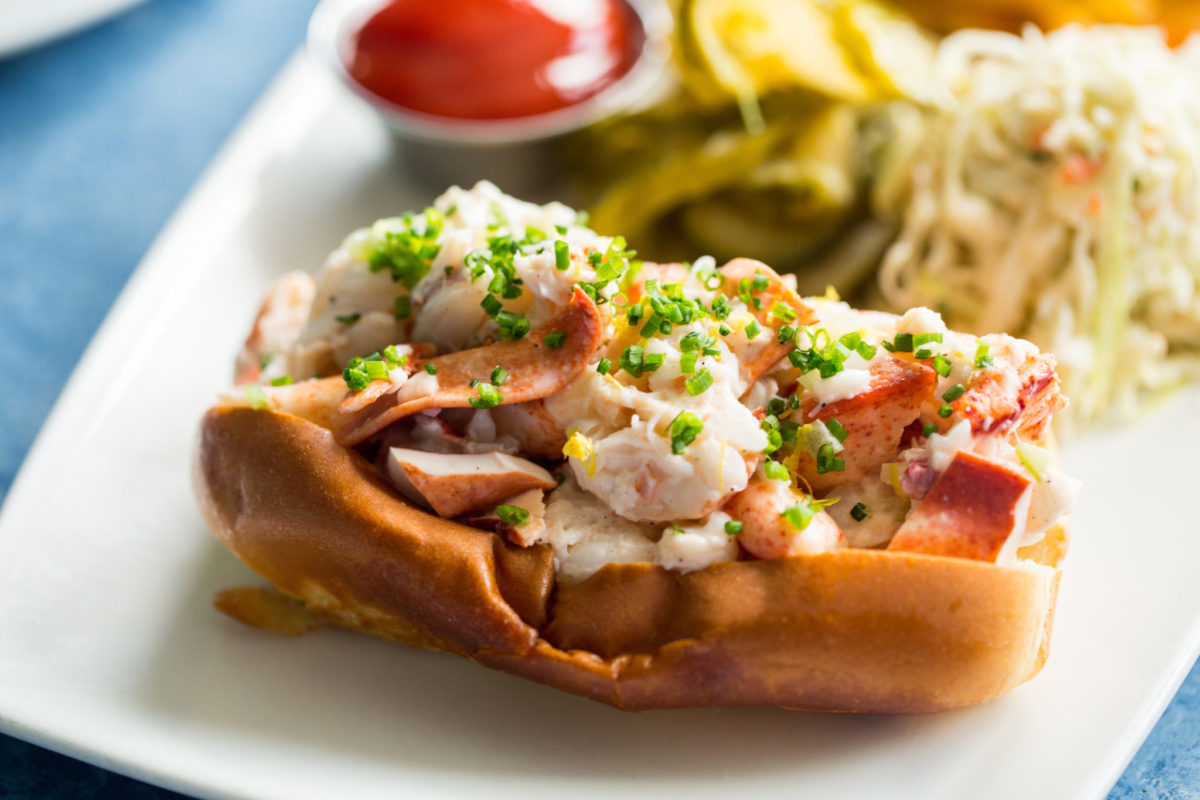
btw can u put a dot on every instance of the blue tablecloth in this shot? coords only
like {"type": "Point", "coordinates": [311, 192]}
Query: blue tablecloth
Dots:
{"type": "Point", "coordinates": [101, 135]}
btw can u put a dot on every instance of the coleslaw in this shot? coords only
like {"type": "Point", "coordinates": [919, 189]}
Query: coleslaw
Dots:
{"type": "Point", "coordinates": [1056, 195]}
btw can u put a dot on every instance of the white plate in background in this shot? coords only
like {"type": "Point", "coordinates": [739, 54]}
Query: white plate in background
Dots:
{"type": "Point", "coordinates": [110, 650]}
{"type": "Point", "coordinates": [26, 23]}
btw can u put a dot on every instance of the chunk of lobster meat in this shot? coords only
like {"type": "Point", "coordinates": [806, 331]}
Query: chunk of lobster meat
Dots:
{"type": "Point", "coordinates": [977, 509]}
{"type": "Point", "coordinates": [767, 534]}
{"type": "Point", "coordinates": [869, 512]}
{"type": "Point", "coordinates": [524, 532]}
{"type": "Point", "coordinates": [453, 484]}
{"type": "Point", "coordinates": [875, 421]}
{"type": "Point", "coordinates": [356, 401]}
{"type": "Point", "coordinates": [537, 433]}
{"type": "Point", "coordinates": [759, 354]}
{"type": "Point", "coordinates": [1016, 400]}
{"type": "Point", "coordinates": [280, 319]}
{"type": "Point", "coordinates": [326, 401]}
{"type": "Point", "coordinates": [535, 370]}
{"type": "Point", "coordinates": [316, 400]}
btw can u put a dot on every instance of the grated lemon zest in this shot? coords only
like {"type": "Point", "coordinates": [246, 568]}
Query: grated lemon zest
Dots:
{"type": "Point", "coordinates": [580, 447]}
{"type": "Point", "coordinates": [891, 476]}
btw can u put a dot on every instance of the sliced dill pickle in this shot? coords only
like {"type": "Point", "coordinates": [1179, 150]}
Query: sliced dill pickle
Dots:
{"type": "Point", "coordinates": [747, 48]}
{"type": "Point", "coordinates": [890, 48]}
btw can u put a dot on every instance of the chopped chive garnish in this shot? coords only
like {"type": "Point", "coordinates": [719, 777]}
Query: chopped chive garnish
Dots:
{"type": "Point", "coordinates": [903, 343]}
{"type": "Point", "coordinates": [513, 515]}
{"type": "Point", "coordinates": [430, 368]}
{"type": "Point", "coordinates": [490, 304]}
{"type": "Point", "coordinates": [512, 326]}
{"type": "Point", "coordinates": [859, 512]}
{"type": "Point", "coordinates": [697, 341]}
{"type": "Point", "coordinates": [785, 334]}
{"type": "Point", "coordinates": [776, 471]}
{"type": "Point", "coordinates": [631, 360]}
{"type": "Point", "coordinates": [827, 460]}
{"type": "Point", "coordinates": [836, 429]}
{"type": "Point", "coordinates": [488, 397]}
{"type": "Point", "coordinates": [733, 527]}
{"type": "Point", "coordinates": [799, 515]}
{"type": "Point", "coordinates": [683, 431]}
{"type": "Point", "coordinates": [652, 361]}
{"type": "Point", "coordinates": [256, 396]}
{"type": "Point", "coordinates": [562, 255]}
{"type": "Point", "coordinates": [653, 325]}
{"type": "Point", "coordinates": [554, 340]}
{"type": "Point", "coordinates": [945, 411]}
{"type": "Point", "coordinates": [760, 282]}
{"type": "Point", "coordinates": [698, 383]}
{"type": "Point", "coordinates": [753, 329]}
{"type": "Point", "coordinates": [942, 365]}
{"type": "Point", "coordinates": [349, 319]}
{"type": "Point", "coordinates": [376, 370]}
{"type": "Point", "coordinates": [929, 429]}
{"type": "Point", "coordinates": [604, 366]}
{"type": "Point", "coordinates": [403, 307]}
{"type": "Point", "coordinates": [724, 330]}
{"type": "Point", "coordinates": [408, 253]}
{"type": "Point", "coordinates": [982, 359]}
{"type": "Point", "coordinates": [687, 362]}
{"type": "Point", "coordinates": [953, 393]}
{"type": "Point", "coordinates": [282, 380]}
{"type": "Point", "coordinates": [743, 290]}
{"type": "Point", "coordinates": [499, 375]}
{"type": "Point", "coordinates": [355, 376]}
{"type": "Point", "coordinates": [776, 406]}
{"type": "Point", "coordinates": [393, 357]}
{"type": "Point", "coordinates": [926, 338]}
{"type": "Point", "coordinates": [923, 354]}
{"type": "Point", "coordinates": [783, 312]}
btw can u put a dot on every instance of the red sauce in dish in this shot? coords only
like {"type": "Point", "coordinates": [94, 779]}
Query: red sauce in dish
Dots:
{"type": "Point", "coordinates": [494, 59]}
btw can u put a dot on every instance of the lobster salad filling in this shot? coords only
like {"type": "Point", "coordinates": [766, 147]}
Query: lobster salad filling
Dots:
{"type": "Point", "coordinates": [507, 367]}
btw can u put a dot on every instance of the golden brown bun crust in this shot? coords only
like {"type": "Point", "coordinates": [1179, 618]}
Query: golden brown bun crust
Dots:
{"type": "Point", "coordinates": [855, 630]}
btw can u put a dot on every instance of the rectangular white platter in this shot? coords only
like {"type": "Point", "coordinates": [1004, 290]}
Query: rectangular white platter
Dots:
{"type": "Point", "coordinates": [110, 650]}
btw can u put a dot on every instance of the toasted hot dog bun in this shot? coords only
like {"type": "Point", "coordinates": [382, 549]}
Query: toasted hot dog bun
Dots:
{"type": "Point", "coordinates": [853, 630]}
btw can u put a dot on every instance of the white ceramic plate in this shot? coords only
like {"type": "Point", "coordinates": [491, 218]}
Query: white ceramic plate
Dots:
{"type": "Point", "coordinates": [110, 651]}
{"type": "Point", "coordinates": [25, 23]}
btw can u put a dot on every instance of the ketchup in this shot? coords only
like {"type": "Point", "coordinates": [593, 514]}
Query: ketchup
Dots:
{"type": "Point", "coordinates": [494, 59]}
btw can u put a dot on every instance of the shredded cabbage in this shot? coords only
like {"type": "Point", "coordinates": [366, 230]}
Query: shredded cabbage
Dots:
{"type": "Point", "coordinates": [1056, 196]}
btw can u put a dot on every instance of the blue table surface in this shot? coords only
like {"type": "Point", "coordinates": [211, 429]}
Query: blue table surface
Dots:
{"type": "Point", "coordinates": [101, 136]}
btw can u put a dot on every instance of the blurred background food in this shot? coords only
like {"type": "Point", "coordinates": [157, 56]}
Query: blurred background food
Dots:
{"type": "Point", "coordinates": [767, 140]}
{"type": "Point", "coordinates": [1044, 185]}
{"type": "Point", "coordinates": [1177, 18]}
